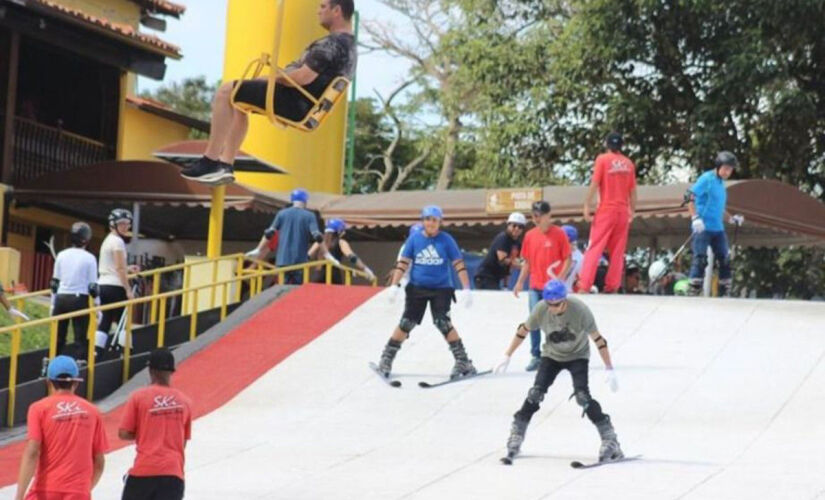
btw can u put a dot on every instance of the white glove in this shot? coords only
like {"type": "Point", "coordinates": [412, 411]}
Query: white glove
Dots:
{"type": "Point", "coordinates": [611, 380]}
{"type": "Point", "coordinates": [737, 220]}
{"type": "Point", "coordinates": [16, 312]}
{"type": "Point", "coordinates": [253, 254]}
{"type": "Point", "coordinates": [502, 366]}
{"type": "Point", "coordinates": [395, 291]}
{"type": "Point", "coordinates": [697, 224]}
{"type": "Point", "coordinates": [370, 274]}
{"type": "Point", "coordinates": [332, 259]}
{"type": "Point", "coordinates": [465, 298]}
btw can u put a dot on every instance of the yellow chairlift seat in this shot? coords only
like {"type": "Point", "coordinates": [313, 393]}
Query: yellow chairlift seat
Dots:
{"type": "Point", "coordinates": [321, 106]}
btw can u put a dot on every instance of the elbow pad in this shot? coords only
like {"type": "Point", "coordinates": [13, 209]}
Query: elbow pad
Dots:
{"type": "Point", "coordinates": [318, 238]}
{"type": "Point", "coordinates": [689, 196]}
{"type": "Point", "coordinates": [353, 259]}
{"type": "Point", "coordinates": [94, 290]}
{"type": "Point", "coordinates": [54, 284]}
{"type": "Point", "coordinates": [269, 232]}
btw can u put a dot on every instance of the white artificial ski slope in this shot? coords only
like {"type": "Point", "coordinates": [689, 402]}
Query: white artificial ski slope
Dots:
{"type": "Point", "coordinates": [723, 398]}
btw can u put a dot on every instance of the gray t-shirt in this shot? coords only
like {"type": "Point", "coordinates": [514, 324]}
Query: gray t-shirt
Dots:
{"type": "Point", "coordinates": [296, 227]}
{"type": "Point", "coordinates": [566, 335]}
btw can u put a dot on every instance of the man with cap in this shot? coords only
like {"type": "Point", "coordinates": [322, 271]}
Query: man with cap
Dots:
{"type": "Point", "coordinates": [502, 254]}
{"type": "Point", "coordinates": [159, 419]}
{"type": "Point", "coordinates": [546, 254]}
{"type": "Point", "coordinates": [707, 200]}
{"type": "Point", "coordinates": [614, 177]}
{"type": "Point", "coordinates": [297, 227]}
{"type": "Point", "coordinates": [567, 323]}
{"type": "Point", "coordinates": [576, 257]}
{"type": "Point", "coordinates": [66, 441]}
{"type": "Point", "coordinates": [429, 254]}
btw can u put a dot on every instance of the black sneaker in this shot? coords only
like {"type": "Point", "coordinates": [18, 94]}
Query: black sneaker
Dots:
{"type": "Point", "coordinates": [209, 171]}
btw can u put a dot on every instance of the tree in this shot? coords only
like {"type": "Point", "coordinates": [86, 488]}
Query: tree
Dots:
{"type": "Point", "coordinates": [191, 97]}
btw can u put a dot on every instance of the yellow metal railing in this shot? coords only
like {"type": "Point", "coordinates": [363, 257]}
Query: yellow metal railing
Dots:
{"type": "Point", "coordinates": [158, 302]}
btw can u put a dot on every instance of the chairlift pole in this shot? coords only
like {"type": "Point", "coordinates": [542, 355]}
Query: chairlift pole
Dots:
{"type": "Point", "coordinates": [351, 123]}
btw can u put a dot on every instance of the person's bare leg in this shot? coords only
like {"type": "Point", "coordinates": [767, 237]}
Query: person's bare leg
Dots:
{"type": "Point", "coordinates": [222, 121]}
{"type": "Point", "coordinates": [237, 133]}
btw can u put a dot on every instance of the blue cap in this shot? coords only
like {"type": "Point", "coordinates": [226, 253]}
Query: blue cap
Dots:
{"type": "Point", "coordinates": [63, 368]}
{"type": "Point", "coordinates": [571, 232]}
{"type": "Point", "coordinates": [554, 290]}
{"type": "Point", "coordinates": [432, 211]}
{"type": "Point", "coordinates": [416, 228]}
{"type": "Point", "coordinates": [335, 226]}
{"type": "Point", "coordinates": [299, 194]}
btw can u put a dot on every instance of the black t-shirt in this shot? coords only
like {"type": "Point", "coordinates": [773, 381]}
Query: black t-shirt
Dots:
{"type": "Point", "coordinates": [331, 56]}
{"type": "Point", "coordinates": [490, 266]}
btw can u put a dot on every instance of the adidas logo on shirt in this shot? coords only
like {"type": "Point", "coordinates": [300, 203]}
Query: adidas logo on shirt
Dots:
{"type": "Point", "coordinates": [429, 257]}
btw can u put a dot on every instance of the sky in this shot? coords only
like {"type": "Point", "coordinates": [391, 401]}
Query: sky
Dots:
{"type": "Point", "coordinates": [200, 34]}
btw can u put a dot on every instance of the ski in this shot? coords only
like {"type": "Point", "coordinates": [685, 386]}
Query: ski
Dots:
{"type": "Point", "coordinates": [390, 382]}
{"type": "Point", "coordinates": [427, 385]}
{"type": "Point", "coordinates": [579, 465]}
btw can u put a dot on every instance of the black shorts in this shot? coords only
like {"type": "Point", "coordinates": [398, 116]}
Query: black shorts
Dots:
{"type": "Point", "coordinates": [153, 488]}
{"type": "Point", "coordinates": [415, 303]}
{"type": "Point", "coordinates": [289, 102]}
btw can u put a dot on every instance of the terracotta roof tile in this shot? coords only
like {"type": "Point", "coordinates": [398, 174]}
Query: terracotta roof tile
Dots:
{"type": "Point", "coordinates": [118, 28]}
{"type": "Point", "coordinates": [163, 6]}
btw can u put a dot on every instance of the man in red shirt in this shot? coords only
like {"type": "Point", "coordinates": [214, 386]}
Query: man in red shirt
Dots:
{"type": "Point", "coordinates": [614, 176]}
{"type": "Point", "coordinates": [67, 441]}
{"type": "Point", "coordinates": [546, 252]}
{"type": "Point", "coordinates": [159, 419]}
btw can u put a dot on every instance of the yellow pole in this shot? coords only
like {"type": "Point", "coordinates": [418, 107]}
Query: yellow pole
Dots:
{"type": "Point", "coordinates": [212, 288]}
{"type": "Point", "coordinates": [347, 277]}
{"type": "Point", "coordinates": [15, 352]}
{"type": "Point", "coordinates": [162, 323]}
{"type": "Point", "coordinates": [327, 273]}
{"type": "Point", "coordinates": [259, 280]}
{"type": "Point", "coordinates": [193, 319]}
{"type": "Point", "coordinates": [155, 290]}
{"type": "Point", "coordinates": [90, 356]}
{"type": "Point", "coordinates": [215, 237]}
{"type": "Point", "coordinates": [224, 300]}
{"type": "Point", "coordinates": [239, 283]}
{"type": "Point", "coordinates": [53, 339]}
{"type": "Point", "coordinates": [187, 278]}
{"type": "Point", "coordinates": [127, 349]}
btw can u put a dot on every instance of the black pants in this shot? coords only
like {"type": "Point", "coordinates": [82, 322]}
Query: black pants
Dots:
{"type": "Point", "coordinates": [486, 283]}
{"type": "Point", "coordinates": [417, 298]}
{"type": "Point", "coordinates": [547, 372]}
{"type": "Point", "coordinates": [153, 488]}
{"type": "Point", "coordinates": [66, 303]}
{"type": "Point", "coordinates": [289, 102]}
{"type": "Point", "coordinates": [110, 294]}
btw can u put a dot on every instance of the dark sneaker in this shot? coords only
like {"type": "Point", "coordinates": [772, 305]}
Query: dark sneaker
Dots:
{"type": "Point", "coordinates": [225, 175]}
{"type": "Point", "coordinates": [209, 171]}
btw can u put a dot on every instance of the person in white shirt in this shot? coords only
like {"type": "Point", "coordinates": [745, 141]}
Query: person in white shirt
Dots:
{"type": "Point", "coordinates": [576, 257]}
{"type": "Point", "coordinates": [113, 281]}
{"type": "Point", "coordinates": [73, 279]}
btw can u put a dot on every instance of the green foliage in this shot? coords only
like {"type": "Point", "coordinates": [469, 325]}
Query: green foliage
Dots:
{"type": "Point", "coordinates": [32, 338]}
{"type": "Point", "coordinates": [793, 273]}
{"type": "Point", "coordinates": [191, 97]}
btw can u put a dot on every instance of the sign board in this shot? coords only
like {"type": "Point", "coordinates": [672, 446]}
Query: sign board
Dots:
{"type": "Point", "coordinates": [504, 201]}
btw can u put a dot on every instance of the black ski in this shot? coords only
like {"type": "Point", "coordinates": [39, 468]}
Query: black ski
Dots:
{"type": "Point", "coordinates": [578, 465]}
{"type": "Point", "coordinates": [390, 382]}
{"type": "Point", "coordinates": [427, 385]}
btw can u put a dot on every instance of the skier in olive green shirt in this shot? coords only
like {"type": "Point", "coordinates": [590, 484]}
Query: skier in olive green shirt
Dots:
{"type": "Point", "coordinates": [567, 323]}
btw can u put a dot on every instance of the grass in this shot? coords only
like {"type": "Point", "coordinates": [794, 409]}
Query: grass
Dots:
{"type": "Point", "coordinates": [36, 337]}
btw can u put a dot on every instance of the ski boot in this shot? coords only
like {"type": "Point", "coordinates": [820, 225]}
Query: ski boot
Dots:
{"type": "Point", "coordinates": [517, 431]}
{"type": "Point", "coordinates": [610, 449]}
{"type": "Point", "coordinates": [387, 357]}
{"type": "Point", "coordinates": [463, 365]}
{"type": "Point", "coordinates": [694, 287]}
{"type": "Point", "coordinates": [724, 288]}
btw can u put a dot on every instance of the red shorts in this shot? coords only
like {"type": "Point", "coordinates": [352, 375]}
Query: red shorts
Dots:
{"type": "Point", "coordinates": [57, 495]}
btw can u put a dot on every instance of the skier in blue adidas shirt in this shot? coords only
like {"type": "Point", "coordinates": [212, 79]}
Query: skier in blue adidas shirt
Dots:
{"type": "Point", "coordinates": [429, 254]}
{"type": "Point", "coordinates": [707, 200]}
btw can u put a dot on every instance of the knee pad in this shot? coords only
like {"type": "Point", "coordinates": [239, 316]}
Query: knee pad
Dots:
{"type": "Point", "coordinates": [406, 325]}
{"type": "Point", "coordinates": [701, 260]}
{"type": "Point", "coordinates": [443, 324]}
{"type": "Point", "coordinates": [583, 398]}
{"type": "Point", "coordinates": [535, 395]}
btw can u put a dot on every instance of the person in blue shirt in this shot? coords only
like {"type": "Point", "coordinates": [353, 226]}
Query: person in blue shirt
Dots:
{"type": "Point", "coordinates": [429, 254]}
{"type": "Point", "coordinates": [296, 227]}
{"type": "Point", "coordinates": [707, 201]}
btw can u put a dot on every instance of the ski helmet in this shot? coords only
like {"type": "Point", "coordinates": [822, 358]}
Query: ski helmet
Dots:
{"type": "Point", "coordinates": [80, 234]}
{"type": "Point", "coordinates": [335, 226]}
{"type": "Point", "coordinates": [657, 271]}
{"type": "Point", "coordinates": [299, 194]}
{"type": "Point", "coordinates": [432, 211]}
{"type": "Point", "coordinates": [681, 287]}
{"type": "Point", "coordinates": [725, 158]}
{"type": "Point", "coordinates": [554, 290]}
{"type": "Point", "coordinates": [415, 228]}
{"type": "Point", "coordinates": [571, 232]}
{"type": "Point", "coordinates": [119, 215]}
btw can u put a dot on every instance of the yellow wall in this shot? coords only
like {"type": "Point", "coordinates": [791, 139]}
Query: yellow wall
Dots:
{"type": "Point", "coordinates": [46, 218]}
{"type": "Point", "coordinates": [144, 133]}
{"type": "Point", "coordinates": [314, 160]}
{"type": "Point", "coordinates": [117, 11]}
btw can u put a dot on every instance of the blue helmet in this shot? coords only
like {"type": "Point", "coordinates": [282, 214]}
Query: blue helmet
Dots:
{"type": "Point", "coordinates": [415, 228]}
{"type": "Point", "coordinates": [554, 290]}
{"type": "Point", "coordinates": [432, 211]}
{"type": "Point", "coordinates": [571, 232]}
{"type": "Point", "coordinates": [299, 194]}
{"type": "Point", "coordinates": [335, 226]}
